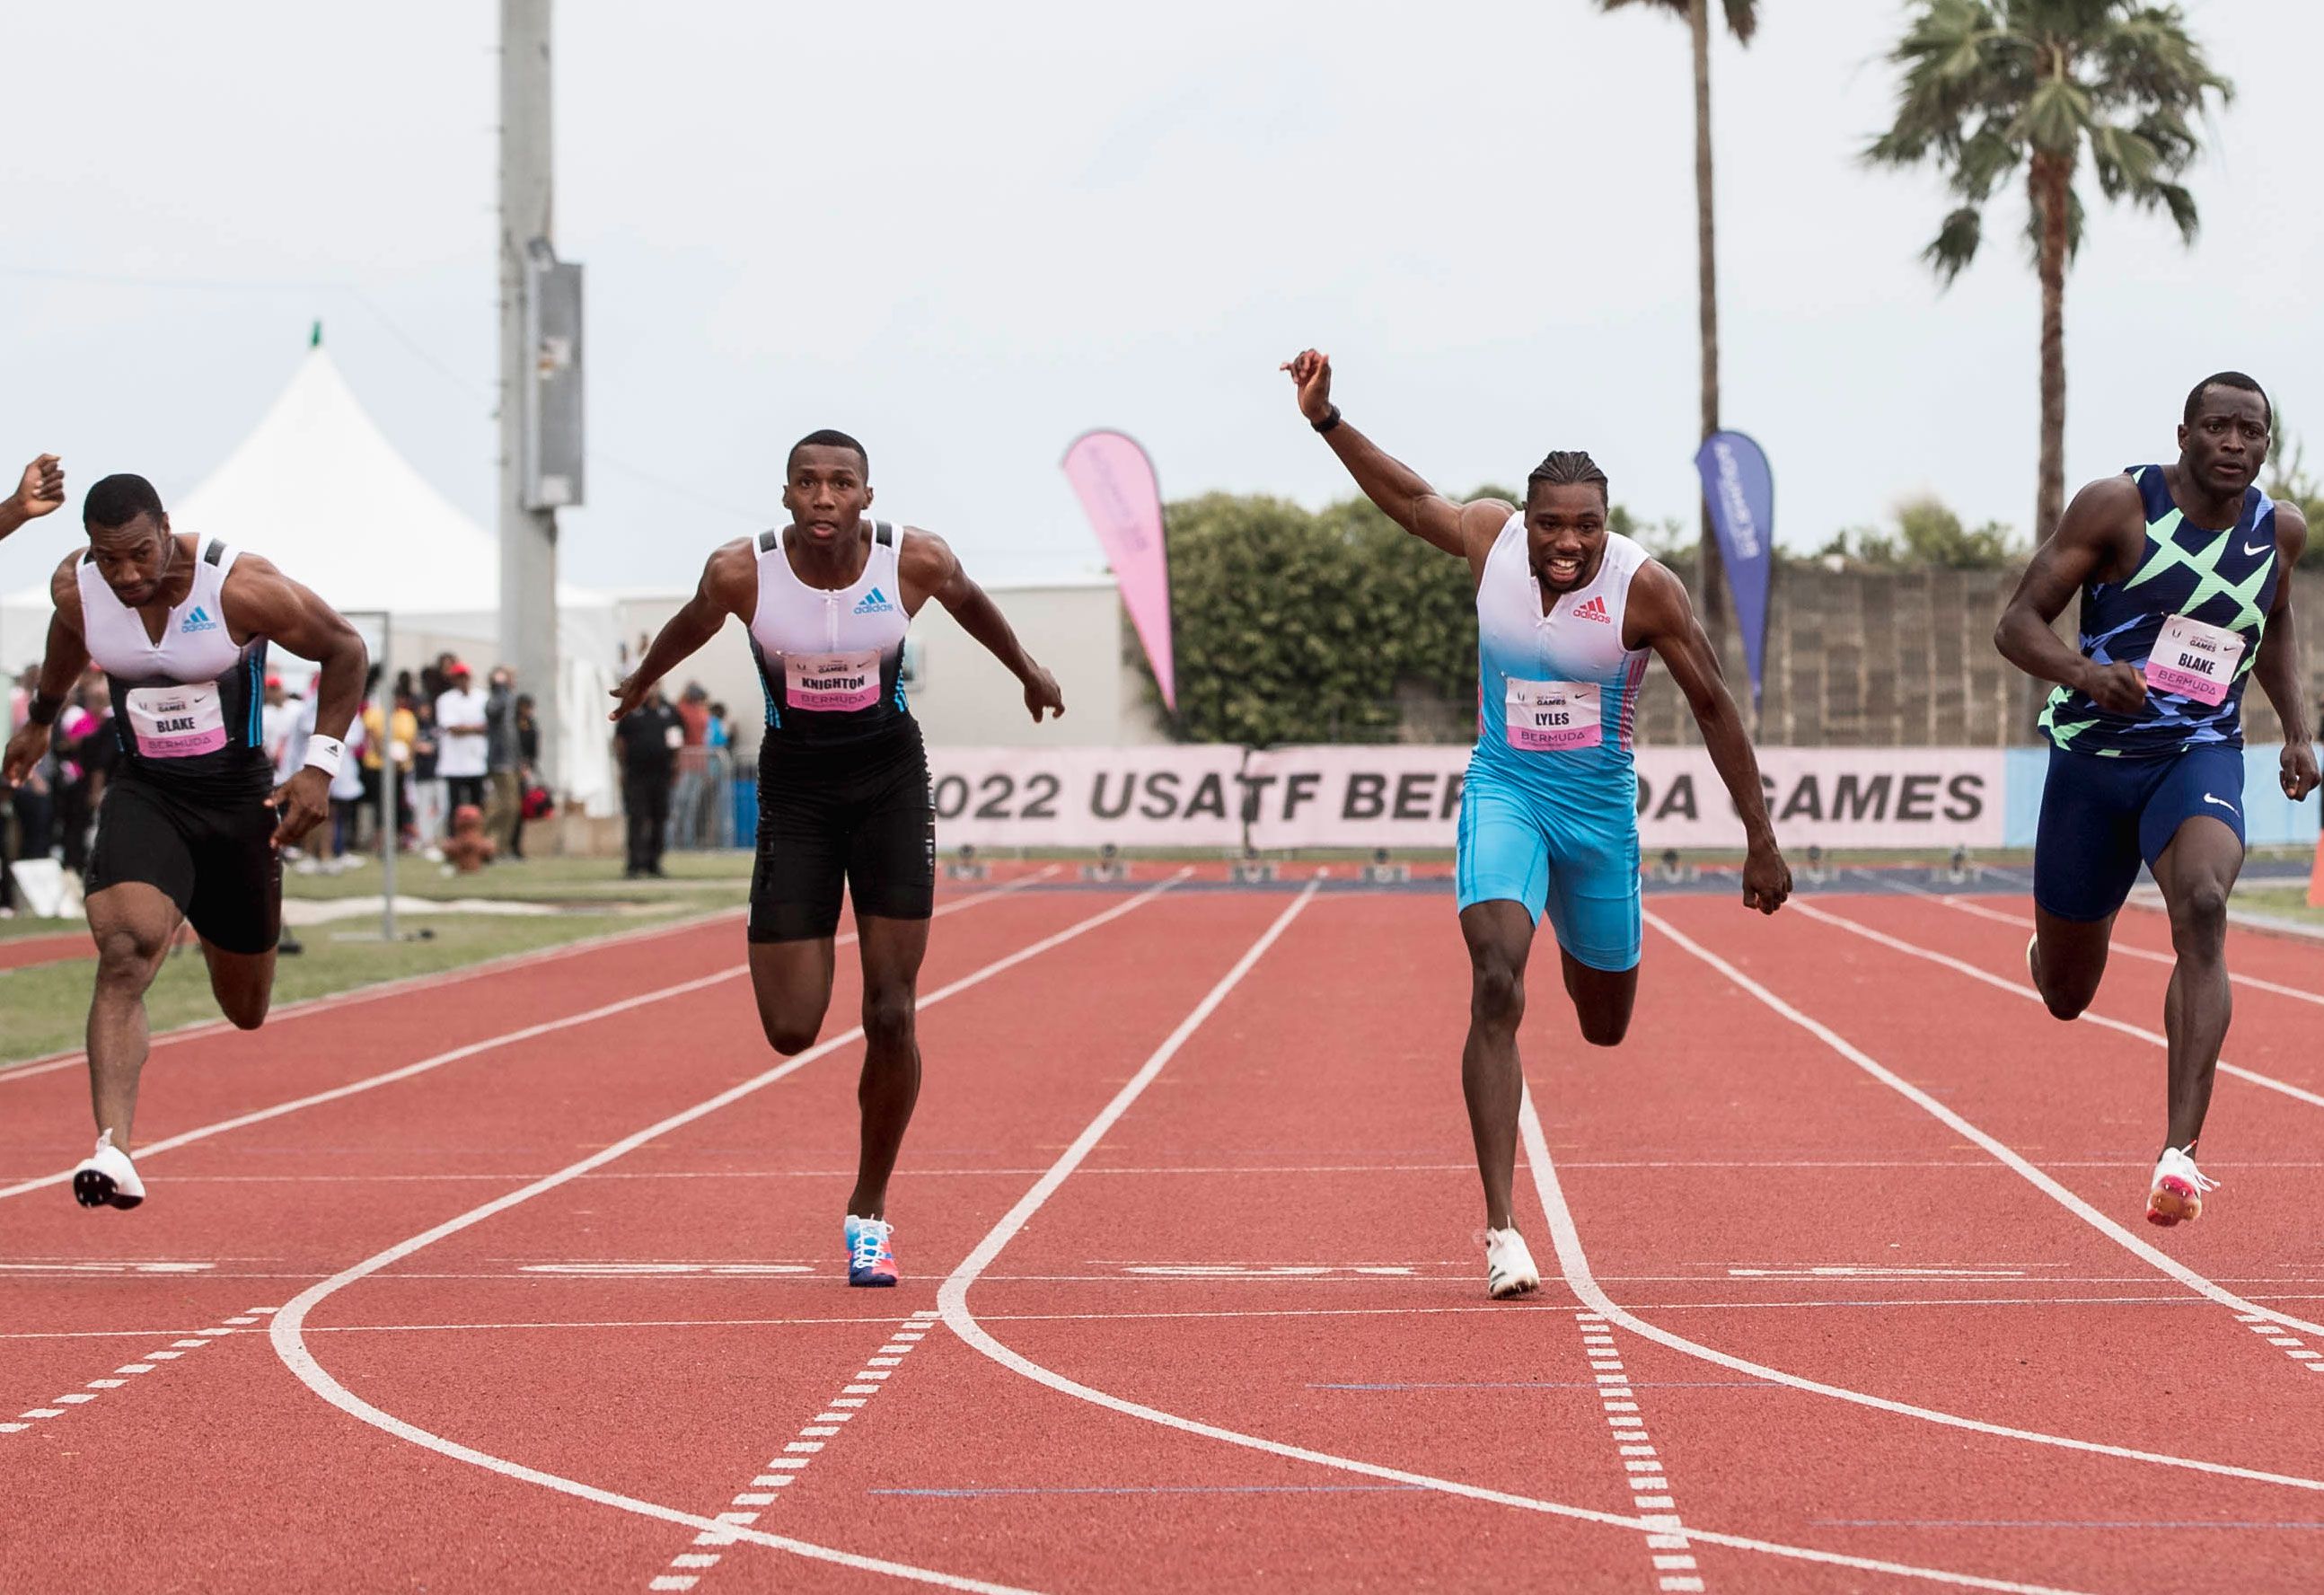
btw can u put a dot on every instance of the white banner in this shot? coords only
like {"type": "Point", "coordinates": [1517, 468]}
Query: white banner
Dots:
{"type": "Point", "coordinates": [1408, 799]}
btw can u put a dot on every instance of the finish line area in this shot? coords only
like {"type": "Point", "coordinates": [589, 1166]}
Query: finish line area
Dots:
{"type": "Point", "coordinates": [491, 1275]}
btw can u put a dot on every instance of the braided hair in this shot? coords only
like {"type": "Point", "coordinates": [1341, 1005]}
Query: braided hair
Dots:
{"type": "Point", "coordinates": [1561, 467]}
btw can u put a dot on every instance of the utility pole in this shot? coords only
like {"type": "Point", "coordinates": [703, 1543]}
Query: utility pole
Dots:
{"type": "Point", "coordinates": [528, 525]}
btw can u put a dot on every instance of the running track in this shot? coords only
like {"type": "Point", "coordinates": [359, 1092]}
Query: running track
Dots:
{"type": "Point", "coordinates": [1847, 1289]}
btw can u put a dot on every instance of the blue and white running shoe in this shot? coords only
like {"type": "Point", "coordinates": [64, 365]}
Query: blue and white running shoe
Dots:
{"type": "Point", "coordinates": [870, 1258]}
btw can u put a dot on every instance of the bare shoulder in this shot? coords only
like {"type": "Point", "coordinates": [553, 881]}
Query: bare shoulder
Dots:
{"type": "Point", "coordinates": [2291, 531]}
{"type": "Point", "coordinates": [925, 557]}
{"type": "Point", "coordinates": [731, 575]}
{"type": "Point", "coordinates": [1657, 602]}
{"type": "Point", "coordinates": [2103, 508]}
{"type": "Point", "coordinates": [1485, 517]}
{"type": "Point", "coordinates": [64, 586]}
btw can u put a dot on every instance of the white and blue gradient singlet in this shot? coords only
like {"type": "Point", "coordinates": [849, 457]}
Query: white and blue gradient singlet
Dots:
{"type": "Point", "coordinates": [1549, 810]}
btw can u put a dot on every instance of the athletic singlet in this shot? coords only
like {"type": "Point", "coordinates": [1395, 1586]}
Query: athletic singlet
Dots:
{"type": "Point", "coordinates": [829, 661]}
{"type": "Point", "coordinates": [187, 709]}
{"type": "Point", "coordinates": [1557, 692]}
{"type": "Point", "coordinates": [2191, 616]}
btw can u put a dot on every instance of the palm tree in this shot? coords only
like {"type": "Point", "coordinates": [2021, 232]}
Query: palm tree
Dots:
{"type": "Point", "coordinates": [1742, 21]}
{"type": "Point", "coordinates": [1991, 85]}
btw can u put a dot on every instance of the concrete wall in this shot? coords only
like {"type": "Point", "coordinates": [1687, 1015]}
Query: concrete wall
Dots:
{"type": "Point", "coordinates": [961, 694]}
{"type": "Point", "coordinates": [1871, 659]}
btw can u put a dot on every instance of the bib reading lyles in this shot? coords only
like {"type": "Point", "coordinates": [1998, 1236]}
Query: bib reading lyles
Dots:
{"type": "Point", "coordinates": [831, 683]}
{"type": "Point", "coordinates": [1552, 716]}
{"type": "Point", "coordinates": [177, 722]}
{"type": "Point", "coordinates": [2194, 661]}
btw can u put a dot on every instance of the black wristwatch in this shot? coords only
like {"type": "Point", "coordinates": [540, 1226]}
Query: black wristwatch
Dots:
{"type": "Point", "coordinates": [1328, 423]}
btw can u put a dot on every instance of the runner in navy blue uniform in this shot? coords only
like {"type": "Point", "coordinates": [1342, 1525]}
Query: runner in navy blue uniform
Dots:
{"type": "Point", "coordinates": [844, 800]}
{"type": "Point", "coordinates": [192, 823]}
{"type": "Point", "coordinates": [2181, 572]}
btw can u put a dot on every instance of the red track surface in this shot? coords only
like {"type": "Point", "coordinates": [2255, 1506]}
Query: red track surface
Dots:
{"type": "Point", "coordinates": [1243, 1340]}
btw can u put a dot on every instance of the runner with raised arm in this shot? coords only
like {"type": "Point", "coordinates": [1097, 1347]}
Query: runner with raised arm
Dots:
{"type": "Point", "coordinates": [192, 823]}
{"type": "Point", "coordinates": [1568, 615]}
{"type": "Point", "coordinates": [843, 798]}
{"type": "Point", "coordinates": [2181, 571]}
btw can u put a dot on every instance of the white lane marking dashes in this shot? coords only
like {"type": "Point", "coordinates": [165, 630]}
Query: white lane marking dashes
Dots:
{"type": "Point", "coordinates": [783, 1470]}
{"type": "Point", "coordinates": [58, 1405]}
{"type": "Point", "coordinates": [1644, 1474]}
{"type": "Point", "coordinates": [2293, 1346]}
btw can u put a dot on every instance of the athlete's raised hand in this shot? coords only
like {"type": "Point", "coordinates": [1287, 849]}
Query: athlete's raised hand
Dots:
{"type": "Point", "coordinates": [2119, 689]}
{"type": "Point", "coordinates": [2299, 777]}
{"type": "Point", "coordinates": [1311, 374]}
{"type": "Point", "coordinates": [300, 805]}
{"type": "Point", "coordinates": [1041, 693]}
{"type": "Point", "coordinates": [24, 751]}
{"type": "Point", "coordinates": [40, 490]}
{"type": "Point", "coordinates": [1767, 878]}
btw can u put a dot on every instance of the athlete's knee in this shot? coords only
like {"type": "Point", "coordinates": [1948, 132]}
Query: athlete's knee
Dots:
{"type": "Point", "coordinates": [1604, 1030]}
{"type": "Point", "coordinates": [1496, 992]}
{"type": "Point", "coordinates": [2198, 918]}
{"type": "Point", "coordinates": [125, 957]}
{"type": "Point", "coordinates": [888, 1015]}
{"type": "Point", "coordinates": [789, 1036]}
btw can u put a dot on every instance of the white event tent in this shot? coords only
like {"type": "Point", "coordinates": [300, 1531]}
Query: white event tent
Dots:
{"type": "Point", "coordinates": [320, 491]}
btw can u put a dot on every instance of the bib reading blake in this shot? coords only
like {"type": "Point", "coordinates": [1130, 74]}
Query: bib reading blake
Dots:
{"type": "Point", "coordinates": [2192, 659]}
{"type": "Point", "coordinates": [176, 722]}
{"type": "Point", "coordinates": [832, 683]}
{"type": "Point", "coordinates": [1551, 716]}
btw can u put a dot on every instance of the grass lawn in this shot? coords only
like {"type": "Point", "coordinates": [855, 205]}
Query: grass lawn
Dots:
{"type": "Point", "coordinates": [2279, 902]}
{"type": "Point", "coordinates": [47, 1006]}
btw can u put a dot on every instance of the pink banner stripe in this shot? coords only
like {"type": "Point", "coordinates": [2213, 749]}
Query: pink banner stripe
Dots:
{"type": "Point", "coordinates": [1115, 482]}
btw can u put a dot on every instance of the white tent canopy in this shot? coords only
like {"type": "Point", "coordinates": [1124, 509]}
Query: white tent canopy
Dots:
{"type": "Point", "coordinates": [319, 491]}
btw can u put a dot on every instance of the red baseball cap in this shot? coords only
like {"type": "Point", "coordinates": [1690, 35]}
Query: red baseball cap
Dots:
{"type": "Point", "coordinates": [458, 668]}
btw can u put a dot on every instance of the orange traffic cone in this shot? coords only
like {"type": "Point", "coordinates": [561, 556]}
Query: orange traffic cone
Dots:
{"type": "Point", "coordinates": [2315, 877]}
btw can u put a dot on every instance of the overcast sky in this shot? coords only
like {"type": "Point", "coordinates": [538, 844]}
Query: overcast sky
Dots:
{"type": "Point", "coordinates": [967, 234]}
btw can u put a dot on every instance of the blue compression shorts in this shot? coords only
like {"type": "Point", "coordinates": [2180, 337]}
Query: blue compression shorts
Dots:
{"type": "Point", "coordinates": [2101, 817]}
{"type": "Point", "coordinates": [1583, 871]}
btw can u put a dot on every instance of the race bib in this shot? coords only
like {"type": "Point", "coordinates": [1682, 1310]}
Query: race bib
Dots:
{"type": "Point", "coordinates": [831, 683]}
{"type": "Point", "coordinates": [177, 722]}
{"type": "Point", "coordinates": [2192, 660]}
{"type": "Point", "coordinates": [1551, 716]}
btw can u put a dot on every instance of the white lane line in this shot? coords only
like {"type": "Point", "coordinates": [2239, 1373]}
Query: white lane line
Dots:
{"type": "Point", "coordinates": [1645, 1475]}
{"type": "Point", "coordinates": [1574, 1263]}
{"type": "Point", "coordinates": [2159, 1260]}
{"type": "Point", "coordinates": [1912, 949]}
{"type": "Point", "coordinates": [688, 1567]}
{"type": "Point", "coordinates": [59, 1405]}
{"type": "Point", "coordinates": [288, 1339]}
{"type": "Point", "coordinates": [2022, 923]}
{"type": "Point", "coordinates": [389, 1077]}
{"type": "Point", "coordinates": [952, 1300]}
{"type": "Point", "coordinates": [337, 1000]}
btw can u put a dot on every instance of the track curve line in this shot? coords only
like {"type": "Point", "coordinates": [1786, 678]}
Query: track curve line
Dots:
{"type": "Point", "coordinates": [952, 1301]}
{"type": "Point", "coordinates": [2162, 1261]}
{"type": "Point", "coordinates": [1574, 1263]}
{"type": "Point", "coordinates": [288, 1331]}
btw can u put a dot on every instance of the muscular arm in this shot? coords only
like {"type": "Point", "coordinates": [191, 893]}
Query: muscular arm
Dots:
{"type": "Point", "coordinates": [931, 570]}
{"type": "Point", "coordinates": [729, 585]}
{"type": "Point", "coordinates": [2278, 667]}
{"type": "Point", "coordinates": [260, 600]}
{"type": "Point", "coordinates": [61, 667]}
{"type": "Point", "coordinates": [2087, 545]}
{"type": "Point", "coordinates": [1402, 494]}
{"type": "Point", "coordinates": [1662, 619]}
{"type": "Point", "coordinates": [40, 490]}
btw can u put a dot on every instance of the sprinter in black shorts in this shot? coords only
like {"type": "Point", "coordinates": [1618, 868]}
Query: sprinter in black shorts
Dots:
{"type": "Point", "coordinates": [843, 799]}
{"type": "Point", "coordinates": [192, 823]}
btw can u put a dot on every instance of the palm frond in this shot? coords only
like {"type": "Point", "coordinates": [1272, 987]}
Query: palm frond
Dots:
{"type": "Point", "coordinates": [1955, 244]}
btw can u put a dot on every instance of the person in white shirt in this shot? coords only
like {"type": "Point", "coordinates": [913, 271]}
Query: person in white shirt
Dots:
{"type": "Point", "coordinates": [461, 739]}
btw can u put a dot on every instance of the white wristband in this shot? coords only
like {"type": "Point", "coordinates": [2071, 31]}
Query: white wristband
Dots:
{"type": "Point", "coordinates": [324, 753]}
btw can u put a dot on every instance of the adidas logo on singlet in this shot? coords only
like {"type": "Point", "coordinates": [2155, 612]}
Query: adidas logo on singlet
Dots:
{"type": "Point", "coordinates": [1595, 610]}
{"type": "Point", "coordinates": [198, 621]}
{"type": "Point", "coordinates": [874, 602]}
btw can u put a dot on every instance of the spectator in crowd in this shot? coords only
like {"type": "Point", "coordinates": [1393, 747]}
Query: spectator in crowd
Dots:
{"type": "Point", "coordinates": [721, 732]}
{"type": "Point", "coordinates": [504, 790]}
{"type": "Point", "coordinates": [693, 707]}
{"type": "Point", "coordinates": [392, 728]}
{"type": "Point", "coordinates": [84, 749]}
{"type": "Point", "coordinates": [647, 743]}
{"type": "Point", "coordinates": [461, 737]}
{"type": "Point", "coordinates": [275, 720]}
{"type": "Point", "coordinates": [428, 809]}
{"type": "Point", "coordinates": [346, 794]}
{"type": "Point", "coordinates": [531, 788]}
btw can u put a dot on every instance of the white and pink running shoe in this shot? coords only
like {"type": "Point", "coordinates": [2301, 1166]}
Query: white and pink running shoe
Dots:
{"type": "Point", "coordinates": [2176, 1196]}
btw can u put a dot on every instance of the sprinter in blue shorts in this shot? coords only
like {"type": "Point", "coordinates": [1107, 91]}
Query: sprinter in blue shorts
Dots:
{"type": "Point", "coordinates": [2181, 569]}
{"type": "Point", "coordinates": [1567, 615]}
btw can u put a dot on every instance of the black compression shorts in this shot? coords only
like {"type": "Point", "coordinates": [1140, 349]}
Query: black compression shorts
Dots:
{"type": "Point", "coordinates": [861, 819]}
{"type": "Point", "coordinates": [213, 857]}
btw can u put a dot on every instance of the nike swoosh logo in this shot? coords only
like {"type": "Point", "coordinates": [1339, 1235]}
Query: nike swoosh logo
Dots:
{"type": "Point", "coordinates": [2222, 802]}
{"type": "Point", "coordinates": [2257, 548]}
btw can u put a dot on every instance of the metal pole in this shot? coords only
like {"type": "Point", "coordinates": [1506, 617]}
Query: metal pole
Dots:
{"type": "Point", "coordinates": [528, 620]}
{"type": "Point", "coordinates": [388, 830]}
